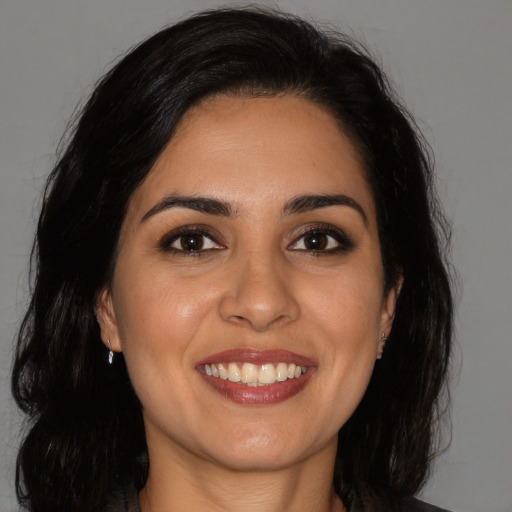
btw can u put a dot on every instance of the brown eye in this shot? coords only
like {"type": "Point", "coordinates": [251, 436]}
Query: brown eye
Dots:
{"type": "Point", "coordinates": [190, 242]}
{"type": "Point", "coordinates": [315, 241]}
{"type": "Point", "coordinates": [323, 240]}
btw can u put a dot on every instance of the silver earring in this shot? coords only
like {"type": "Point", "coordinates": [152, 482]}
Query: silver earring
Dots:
{"type": "Point", "coordinates": [110, 354]}
{"type": "Point", "coordinates": [384, 338]}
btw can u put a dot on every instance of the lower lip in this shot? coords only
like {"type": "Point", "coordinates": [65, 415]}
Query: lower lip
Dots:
{"type": "Point", "coordinates": [259, 395]}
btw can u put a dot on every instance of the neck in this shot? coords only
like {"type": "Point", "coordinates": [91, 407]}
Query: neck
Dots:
{"type": "Point", "coordinates": [180, 481]}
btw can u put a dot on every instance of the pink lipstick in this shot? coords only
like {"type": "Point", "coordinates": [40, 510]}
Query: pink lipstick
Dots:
{"type": "Point", "coordinates": [261, 377]}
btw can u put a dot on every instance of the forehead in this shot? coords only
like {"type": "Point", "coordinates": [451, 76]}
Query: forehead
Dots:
{"type": "Point", "coordinates": [254, 152]}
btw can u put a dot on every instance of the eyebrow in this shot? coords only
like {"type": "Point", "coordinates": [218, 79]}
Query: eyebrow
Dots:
{"type": "Point", "coordinates": [307, 203]}
{"type": "Point", "coordinates": [210, 206]}
{"type": "Point", "coordinates": [201, 204]}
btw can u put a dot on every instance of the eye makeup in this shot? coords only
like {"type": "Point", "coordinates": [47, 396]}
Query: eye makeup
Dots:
{"type": "Point", "coordinates": [196, 240]}
{"type": "Point", "coordinates": [323, 240]}
{"type": "Point", "coordinates": [190, 240]}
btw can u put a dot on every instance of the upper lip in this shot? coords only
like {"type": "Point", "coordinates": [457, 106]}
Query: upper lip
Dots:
{"type": "Point", "coordinates": [257, 357]}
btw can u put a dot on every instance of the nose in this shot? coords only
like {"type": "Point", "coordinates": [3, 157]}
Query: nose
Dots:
{"type": "Point", "coordinates": [259, 296]}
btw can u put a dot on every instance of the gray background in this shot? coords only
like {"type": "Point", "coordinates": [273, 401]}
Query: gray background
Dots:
{"type": "Point", "coordinates": [451, 62]}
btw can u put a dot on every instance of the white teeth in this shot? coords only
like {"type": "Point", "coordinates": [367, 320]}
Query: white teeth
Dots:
{"type": "Point", "coordinates": [223, 371]}
{"type": "Point", "coordinates": [267, 374]}
{"type": "Point", "coordinates": [281, 372]}
{"type": "Point", "coordinates": [233, 372]}
{"type": "Point", "coordinates": [249, 374]}
{"type": "Point", "coordinates": [255, 375]}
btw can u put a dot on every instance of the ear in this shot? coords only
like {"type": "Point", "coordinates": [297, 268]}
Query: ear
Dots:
{"type": "Point", "coordinates": [388, 309]}
{"type": "Point", "coordinates": [106, 317]}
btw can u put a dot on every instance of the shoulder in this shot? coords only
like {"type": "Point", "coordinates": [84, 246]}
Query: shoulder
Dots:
{"type": "Point", "coordinates": [409, 504]}
{"type": "Point", "coordinates": [123, 499]}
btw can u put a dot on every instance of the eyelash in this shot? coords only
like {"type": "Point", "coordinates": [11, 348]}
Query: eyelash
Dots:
{"type": "Point", "coordinates": [345, 244]}
{"type": "Point", "coordinates": [165, 243]}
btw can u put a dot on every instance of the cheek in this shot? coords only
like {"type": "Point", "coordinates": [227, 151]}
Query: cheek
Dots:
{"type": "Point", "coordinates": [348, 304]}
{"type": "Point", "coordinates": [154, 300]}
{"type": "Point", "coordinates": [346, 311]}
{"type": "Point", "coordinates": [158, 317]}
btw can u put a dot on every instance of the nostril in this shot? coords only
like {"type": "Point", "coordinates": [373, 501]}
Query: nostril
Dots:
{"type": "Point", "coordinates": [250, 304]}
{"type": "Point", "coordinates": [240, 319]}
{"type": "Point", "coordinates": [279, 320]}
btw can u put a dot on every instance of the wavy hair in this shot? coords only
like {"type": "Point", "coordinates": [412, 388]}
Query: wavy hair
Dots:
{"type": "Point", "coordinates": [85, 433]}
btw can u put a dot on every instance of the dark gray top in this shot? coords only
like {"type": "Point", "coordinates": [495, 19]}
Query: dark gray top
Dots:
{"type": "Point", "coordinates": [127, 500]}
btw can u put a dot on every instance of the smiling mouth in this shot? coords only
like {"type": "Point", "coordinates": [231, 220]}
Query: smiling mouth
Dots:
{"type": "Point", "coordinates": [254, 375]}
{"type": "Point", "coordinates": [257, 377]}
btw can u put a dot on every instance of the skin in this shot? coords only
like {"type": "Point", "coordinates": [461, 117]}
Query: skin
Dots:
{"type": "Point", "coordinates": [254, 286]}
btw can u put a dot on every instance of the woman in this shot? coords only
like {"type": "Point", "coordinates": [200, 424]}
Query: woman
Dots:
{"type": "Point", "coordinates": [244, 217]}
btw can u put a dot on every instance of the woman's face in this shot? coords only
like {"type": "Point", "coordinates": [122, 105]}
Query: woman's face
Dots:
{"type": "Point", "coordinates": [250, 252]}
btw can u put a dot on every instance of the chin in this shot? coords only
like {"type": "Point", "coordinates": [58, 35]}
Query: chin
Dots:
{"type": "Point", "coordinates": [256, 460]}
{"type": "Point", "coordinates": [261, 451]}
